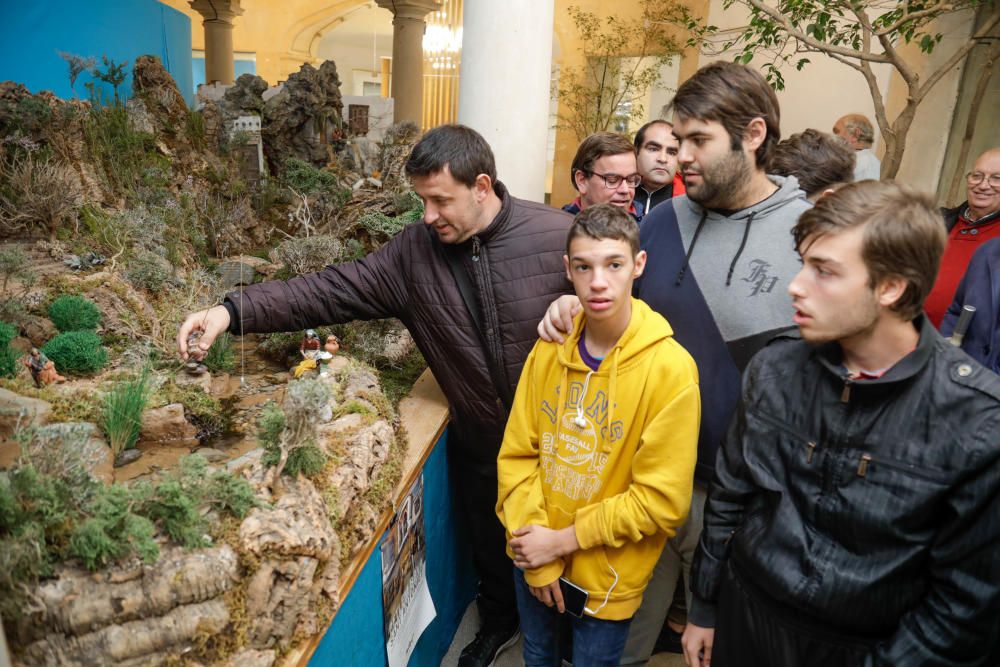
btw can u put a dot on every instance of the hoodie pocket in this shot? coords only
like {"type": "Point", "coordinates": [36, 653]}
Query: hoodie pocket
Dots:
{"type": "Point", "coordinates": [624, 571]}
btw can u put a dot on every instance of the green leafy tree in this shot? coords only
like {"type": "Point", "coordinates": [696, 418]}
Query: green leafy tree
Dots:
{"type": "Point", "coordinates": [859, 35]}
{"type": "Point", "coordinates": [623, 59]}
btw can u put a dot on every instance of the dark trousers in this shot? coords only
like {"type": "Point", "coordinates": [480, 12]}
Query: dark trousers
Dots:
{"type": "Point", "coordinates": [476, 486]}
{"type": "Point", "coordinates": [751, 630]}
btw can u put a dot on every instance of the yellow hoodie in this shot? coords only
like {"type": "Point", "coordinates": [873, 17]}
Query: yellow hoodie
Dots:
{"type": "Point", "coordinates": [615, 457]}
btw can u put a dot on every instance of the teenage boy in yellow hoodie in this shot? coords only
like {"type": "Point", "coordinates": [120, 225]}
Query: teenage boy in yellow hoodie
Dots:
{"type": "Point", "coordinates": [596, 466]}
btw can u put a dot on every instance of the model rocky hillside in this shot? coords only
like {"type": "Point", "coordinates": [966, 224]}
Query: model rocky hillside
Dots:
{"type": "Point", "coordinates": [153, 513]}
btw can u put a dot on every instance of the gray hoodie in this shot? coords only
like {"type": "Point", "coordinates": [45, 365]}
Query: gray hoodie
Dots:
{"type": "Point", "coordinates": [744, 264]}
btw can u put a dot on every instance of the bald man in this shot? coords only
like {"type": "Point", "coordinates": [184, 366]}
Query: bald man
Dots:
{"type": "Point", "coordinates": [859, 134]}
{"type": "Point", "coordinates": [970, 225]}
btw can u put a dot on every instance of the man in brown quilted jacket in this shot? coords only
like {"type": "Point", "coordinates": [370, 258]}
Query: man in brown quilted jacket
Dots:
{"type": "Point", "coordinates": [508, 254]}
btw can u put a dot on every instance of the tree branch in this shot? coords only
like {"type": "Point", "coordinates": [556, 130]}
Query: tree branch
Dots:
{"type": "Point", "coordinates": [959, 54]}
{"type": "Point", "coordinates": [787, 25]}
{"type": "Point", "coordinates": [932, 12]}
{"type": "Point", "coordinates": [890, 51]}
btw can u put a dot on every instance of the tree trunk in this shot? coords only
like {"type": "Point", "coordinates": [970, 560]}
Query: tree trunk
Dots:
{"type": "Point", "coordinates": [895, 140]}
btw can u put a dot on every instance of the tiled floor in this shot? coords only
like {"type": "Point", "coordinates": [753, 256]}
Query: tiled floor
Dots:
{"type": "Point", "coordinates": [512, 656]}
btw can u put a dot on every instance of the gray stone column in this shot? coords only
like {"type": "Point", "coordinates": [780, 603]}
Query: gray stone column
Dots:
{"type": "Point", "coordinates": [408, 27]}
{"type": "Point", "coordinates": [218, 15]}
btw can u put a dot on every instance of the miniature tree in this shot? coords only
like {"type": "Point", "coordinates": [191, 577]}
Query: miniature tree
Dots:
{"type": "Point", "coordinates": [305, 400]}
{"type": "Point", "coordinates": [858, 35]}
{"type": "Point", "coordinates": [77, 66]}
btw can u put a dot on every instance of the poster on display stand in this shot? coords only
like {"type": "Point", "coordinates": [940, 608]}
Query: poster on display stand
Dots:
{"type": "Point", "coordinates": [407, 606]}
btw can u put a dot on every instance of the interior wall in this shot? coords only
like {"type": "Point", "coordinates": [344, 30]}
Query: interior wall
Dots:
{"type": "Point", "coordinates": [927, 141]}
{"type": "Point", "coordinates": [985, 131]}
{"type": "Point", "coordinates": [819, 94]}
{"type": "Point", "coordinates": [32, 36]}
{"type": "Point", "coordinates": [357, 49]}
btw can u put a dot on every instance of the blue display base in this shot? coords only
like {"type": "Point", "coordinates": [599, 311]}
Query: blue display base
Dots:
{"type": "Point", "coordinates": [356, 636]}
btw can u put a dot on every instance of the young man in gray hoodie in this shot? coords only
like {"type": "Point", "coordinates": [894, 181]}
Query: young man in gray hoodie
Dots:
{"type": "Point", "coordinates": [720, 261]}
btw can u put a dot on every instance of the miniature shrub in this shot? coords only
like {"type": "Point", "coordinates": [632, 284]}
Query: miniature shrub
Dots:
{"type": "Point", "coordinates": [121, 417]}
{"type": "Point", "coordinates": [305, 178]}
{"type": "Point", "coordinates": [201, 409]}
{"type": "Point", "coordinates": [8, 357]}
{"type": "Point", "coordinates": [221, 356]}
{"type": "Point", "coordinates": [148, 271]}
{"type": "Point", "coordinates": [308, 460]}
{"type": "Point", "coordinates": [307, 254]}
{"type": "Point", "coordinates": [38, 194]}
{"type": "Point", "coordinates": [113, 531]}
{"type": "Point", "coordinates": [77, 352]}
{"type": "Point", "coordinates": [46, 519]}
{"type": "Point", "coordinates": [176, 511]}
{"type": "Point", "coordinates": [269, 427]}
{"type": "Point", "coordinates": [74, 313]}
{"type": "Point", "coordinates": [174, 503]}
{"type": "Point", "coordinates": [119, 150]}
{"type": "Point", "coordinates": [232, 494]}
{"type": "Point", "coordinates": [14, 264]}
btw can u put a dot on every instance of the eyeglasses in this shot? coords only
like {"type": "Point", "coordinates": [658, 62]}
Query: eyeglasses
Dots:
{"type": "Point", "coordinates": [976, 177]}
{"type": "Point", "coordinates": [612, 181]}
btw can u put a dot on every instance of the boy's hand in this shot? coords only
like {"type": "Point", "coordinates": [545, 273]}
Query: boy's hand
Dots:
{"type": "Point", "coordinates": [549, 595]}
{"type": "Point", "coordinates": [697, 643]}
{"type": "Point", "coordinates": [535, 546]}
{"type": "Point", "coordinates": [559, 318]}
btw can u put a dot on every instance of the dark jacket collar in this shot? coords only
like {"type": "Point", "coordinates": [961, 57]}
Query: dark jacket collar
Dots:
{"type": "Point", "coordinates": [830, 356]}
{"type": "Point", "coordinates": [499, 223]}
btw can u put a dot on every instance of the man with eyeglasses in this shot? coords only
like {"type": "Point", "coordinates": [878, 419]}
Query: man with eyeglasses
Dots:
{"type": "Point", "coordinates": [970, 225]}
{"type": "Point", "coordinates": [604, 171]}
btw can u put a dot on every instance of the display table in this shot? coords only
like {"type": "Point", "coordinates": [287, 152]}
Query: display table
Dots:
{"type": "Point", "coordinates": [356, 636]}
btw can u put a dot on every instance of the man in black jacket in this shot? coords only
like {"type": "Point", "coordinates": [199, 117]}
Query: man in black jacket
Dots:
{"type": "Point", "coordinates": [854, 516]}
{"type": "Point", "coordinates": [508, 254]}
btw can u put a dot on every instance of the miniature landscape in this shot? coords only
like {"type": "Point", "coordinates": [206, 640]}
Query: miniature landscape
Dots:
{"type": "Point", "coordinates": [153, 512]}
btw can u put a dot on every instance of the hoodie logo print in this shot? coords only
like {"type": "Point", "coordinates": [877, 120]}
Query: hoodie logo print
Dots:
{"type": "Point", "coordinates": [571, 456]}
{"type": "Point", "coordinates": [761, 282]}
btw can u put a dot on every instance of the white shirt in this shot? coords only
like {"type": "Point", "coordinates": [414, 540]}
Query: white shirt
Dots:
{"type": "Point", "coordinates": [866, 165]}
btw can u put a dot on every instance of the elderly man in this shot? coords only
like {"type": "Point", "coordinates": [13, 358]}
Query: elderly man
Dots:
{"type": "Point", "coordinates": [970, 225]}
{"type": "Point", "coordinates": [604, 171]}
{"type": "Point", "coordinates": [857, 131]}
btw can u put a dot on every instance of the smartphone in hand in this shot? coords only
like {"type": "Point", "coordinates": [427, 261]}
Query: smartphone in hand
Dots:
{"type": "Point", "coordinates": [574, 597]}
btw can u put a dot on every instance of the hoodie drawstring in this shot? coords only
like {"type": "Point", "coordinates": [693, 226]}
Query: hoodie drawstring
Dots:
{"type": "Point", "coordinates": [687, 257]}
{"type": "Point", "coordinates": [743, 244]}
{"type": "Point", "coordinates": [579, 420]}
